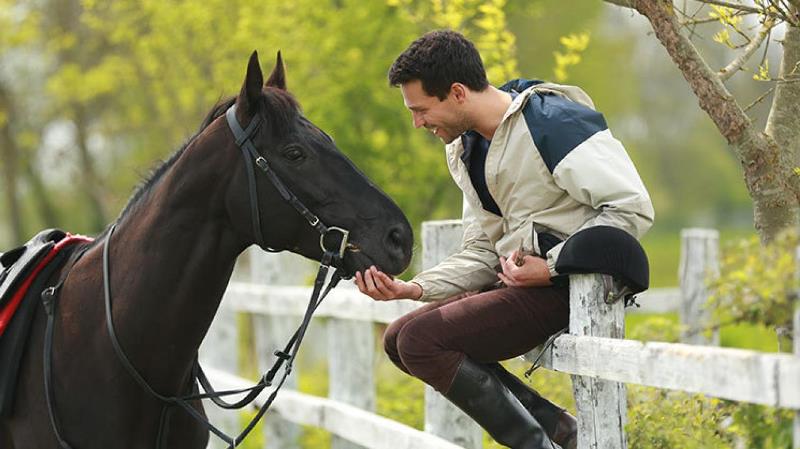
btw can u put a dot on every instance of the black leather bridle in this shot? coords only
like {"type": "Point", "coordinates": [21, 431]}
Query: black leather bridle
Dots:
{"type": "Point", "coordinates": [284, 358]}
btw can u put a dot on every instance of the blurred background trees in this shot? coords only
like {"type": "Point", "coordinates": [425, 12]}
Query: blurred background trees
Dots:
{"type": "Point", "coordinates": [94, 93]}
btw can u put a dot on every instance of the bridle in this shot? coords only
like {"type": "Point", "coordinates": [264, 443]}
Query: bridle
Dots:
{"type": "Point", "coordinates": [284, 358]}
{"type": "Point", "coordinates": [245, 143]}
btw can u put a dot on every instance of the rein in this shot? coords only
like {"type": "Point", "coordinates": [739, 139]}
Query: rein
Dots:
{"type": "Point", "coordinates": [284, 359]}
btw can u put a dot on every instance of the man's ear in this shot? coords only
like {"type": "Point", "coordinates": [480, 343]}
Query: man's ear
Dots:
{"type": "Point", "coordinates": [458, 92]}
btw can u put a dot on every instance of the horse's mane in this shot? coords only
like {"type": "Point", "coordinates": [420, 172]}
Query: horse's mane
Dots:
{"type": "Point", "coordinates": [278, 109]}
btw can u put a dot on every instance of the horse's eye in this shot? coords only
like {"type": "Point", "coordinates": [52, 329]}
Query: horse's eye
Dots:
{"type": "Point", "coordinates": [293, 154]}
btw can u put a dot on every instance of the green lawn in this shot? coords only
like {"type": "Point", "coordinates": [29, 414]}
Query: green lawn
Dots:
{"type": "Point", "coordinates": [664, 251]}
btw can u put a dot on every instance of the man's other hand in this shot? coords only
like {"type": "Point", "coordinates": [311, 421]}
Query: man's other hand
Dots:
{"type": "Point", "coordinates": [382, 287]}
{"type": "Point", "coordinates": [532, 272]}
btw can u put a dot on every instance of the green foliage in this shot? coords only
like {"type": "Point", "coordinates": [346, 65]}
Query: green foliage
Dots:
{"type": "Point", "coordinates": [729, 19]}
{"type": "Point", "coordinates": [660, 419]}
{"type": "Point", "coordinates": [20, 25]}
{"type": "Point", "coordinates": [400, 397]}
{"type": "Point", "coordinates": [763, 72]}
{"type": "Point", "coordinates": [762, 427]}
{"type": "Point", "coordinates": [484, 22]}
{"type": "Point", "coordinates": [652, 327]}
{"type": "Point", "coordinates": [574, 45]}
{"type": "Point", "coordinates": [757, 283]}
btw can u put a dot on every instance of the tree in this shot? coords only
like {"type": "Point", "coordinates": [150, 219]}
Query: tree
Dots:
{"type": "Point", "coordinates": [9, 154]}
{"type": "Point", "coordinates": [769, 156]}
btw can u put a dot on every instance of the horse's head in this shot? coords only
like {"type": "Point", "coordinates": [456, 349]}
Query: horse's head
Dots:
{"type": "Point", "coordinates": [312, 168]}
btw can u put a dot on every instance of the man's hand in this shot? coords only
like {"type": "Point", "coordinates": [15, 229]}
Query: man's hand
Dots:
{"type": "Point", "coordinates": [382, 287]}
{"type": "Point", "coordinates": [532, 273]}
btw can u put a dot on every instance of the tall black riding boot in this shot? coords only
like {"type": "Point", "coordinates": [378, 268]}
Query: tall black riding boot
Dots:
{"type": "Point", "coordinates": [560, 426]}
{"type": "Point", "coordinates": [479, 393]}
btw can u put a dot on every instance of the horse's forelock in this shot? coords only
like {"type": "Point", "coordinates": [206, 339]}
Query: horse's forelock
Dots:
{"type": "Point", "coordinates": [280, 110]}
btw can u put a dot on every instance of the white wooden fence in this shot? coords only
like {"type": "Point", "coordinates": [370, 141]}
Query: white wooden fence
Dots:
{"type": "Point", "coordinates": [594, 352]}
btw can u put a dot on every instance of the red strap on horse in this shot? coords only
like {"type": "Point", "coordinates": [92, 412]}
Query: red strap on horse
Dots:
{"type": "Point", "coordinates": [13, 304]}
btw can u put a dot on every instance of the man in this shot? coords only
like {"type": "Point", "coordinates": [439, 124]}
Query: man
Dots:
{"type": "Point", "coordinates": [536, 163]}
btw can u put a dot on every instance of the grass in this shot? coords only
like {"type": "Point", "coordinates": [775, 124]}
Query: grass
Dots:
{"type": "Point", "coordinates": [664, 251]}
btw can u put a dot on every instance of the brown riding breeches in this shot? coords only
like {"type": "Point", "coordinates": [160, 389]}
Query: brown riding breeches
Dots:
{"type": "Point", "coordinates": [430, 342]}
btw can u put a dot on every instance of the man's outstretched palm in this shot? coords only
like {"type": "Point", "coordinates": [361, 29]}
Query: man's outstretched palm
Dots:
{"type": "Point", "coordinates": [382, 287]}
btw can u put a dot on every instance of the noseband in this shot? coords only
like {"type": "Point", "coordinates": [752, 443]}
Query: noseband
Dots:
{"type": "Point", "coordinates": [284, 358]}
{"type": "Point", "coordinates": [245, 143]}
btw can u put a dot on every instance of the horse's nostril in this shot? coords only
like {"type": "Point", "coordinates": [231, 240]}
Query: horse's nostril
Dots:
{"type": "Point", "coordinates": [395, 237]}
{"type": "Point", "coordinates": [397, 241]}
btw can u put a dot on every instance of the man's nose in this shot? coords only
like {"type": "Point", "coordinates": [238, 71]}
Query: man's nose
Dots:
{"type": "Point", "coordinates": [417, 119]}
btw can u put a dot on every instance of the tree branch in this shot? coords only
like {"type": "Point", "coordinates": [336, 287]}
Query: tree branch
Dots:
{"type": "Point", "coordinates": [779, 13]}
{"type": "Point", "coordinates": [768, 171]}
{"type": "Point", "coordinates": [728, 71]}
{"type": "Point", "coordinates": [713, 96]}
{"type": "Point", "coordinates": [782, 119]}
{"type": "Point", "coordinates": [759, 99]}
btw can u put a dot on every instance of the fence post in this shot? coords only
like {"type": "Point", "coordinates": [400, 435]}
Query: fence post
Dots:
{"type": "Point", "coordinates": [439, 240]}
{"type": "Point", "coordinates": [271, 333]}
{"type": "Point", "coordinates": [219, 350]}
{"type": "Point", "coordinates": [601, 404]}
{"type": "Point", "coordinates": [351, 348]}
{"type": "Point", "coordinates": [699, 263]}
{"type": "Point", "coordinates": [796, 337]}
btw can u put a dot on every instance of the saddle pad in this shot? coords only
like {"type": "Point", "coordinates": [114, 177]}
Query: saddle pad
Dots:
{"type": "Point", "coordinates": [14, 297]}
{"type": "Point", "coordinates": [25, 302]}
{"type": "Point", "coordinates": [18, 263]}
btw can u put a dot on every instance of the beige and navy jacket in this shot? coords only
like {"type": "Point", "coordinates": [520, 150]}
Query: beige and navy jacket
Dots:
{"type": "Point", "coordinates": [551, 169]}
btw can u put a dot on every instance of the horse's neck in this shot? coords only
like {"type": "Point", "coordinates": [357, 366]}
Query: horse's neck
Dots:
{"type": "Point", "coordinates": [170, 262]}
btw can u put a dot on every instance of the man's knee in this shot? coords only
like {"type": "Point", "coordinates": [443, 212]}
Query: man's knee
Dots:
{"type": "Point", "coordinates": [390, 338]}
{"type": "Point", "coordinates": [415, 344]}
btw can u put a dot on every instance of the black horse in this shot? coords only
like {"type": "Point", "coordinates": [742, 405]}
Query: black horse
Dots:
{"type": "Point", "coordinates": [171, 256]}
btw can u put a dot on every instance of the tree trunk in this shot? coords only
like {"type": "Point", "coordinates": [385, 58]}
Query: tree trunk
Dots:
{"type": "Point", "coordinates": [92, 187]}
{"type": "Point", "coordinates": [9, 153]}
{"type": "Point", "coordinates": [782, 123]}
{"type": "Point", "coordinates": [47, 212]}
{"type": "Point", "coordinates": [768, 167]}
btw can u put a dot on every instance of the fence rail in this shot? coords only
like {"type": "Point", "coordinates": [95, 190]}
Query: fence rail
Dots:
{"type": "Point", "coordinates": [594, 353]}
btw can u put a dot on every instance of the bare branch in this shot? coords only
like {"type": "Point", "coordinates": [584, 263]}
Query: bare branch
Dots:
{"type": "Point", "coordinates": [759, 99]}
{"type": "Point", "coordinates": [751, 48]}
{"type": "Point", "coordinates": [736, 6]}
{"type": "Point", "coordinates": [690, 20]}
{"type": "Point", "coordinates": [767, 167]}
{"type": "Point", "coordinates": [714, 98]}
{"type": "Point", "coordinates": [777, 13]}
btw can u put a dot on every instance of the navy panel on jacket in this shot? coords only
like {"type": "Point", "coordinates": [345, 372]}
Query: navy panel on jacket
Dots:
{"type": "Point", "coordinates": [518, 85]}
{"type": "Point", "coordinates": [558, 125]}
{"type": "Point", "coordinates": [475, 150]}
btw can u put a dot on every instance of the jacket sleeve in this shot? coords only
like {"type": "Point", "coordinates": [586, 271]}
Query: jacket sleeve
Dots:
{"type": "Point", "coordinates": [599, 173]}
{"type": "Point", "coordinates": [472, 268]}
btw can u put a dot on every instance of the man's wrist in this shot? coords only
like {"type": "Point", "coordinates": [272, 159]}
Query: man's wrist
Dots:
{"type": "Point", "coordinates": [416, 291]}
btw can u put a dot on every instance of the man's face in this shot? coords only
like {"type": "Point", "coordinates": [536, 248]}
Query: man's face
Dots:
{"type": "Point", "coordinates": [444, 118]}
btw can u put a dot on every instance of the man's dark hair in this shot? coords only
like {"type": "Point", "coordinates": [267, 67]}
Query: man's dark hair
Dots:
{"type": "Point", "coordinates": [439, 59]}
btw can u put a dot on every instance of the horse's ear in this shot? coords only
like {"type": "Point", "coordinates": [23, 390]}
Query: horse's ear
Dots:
{"type": "Point", "coordinates": [253, 83]}
{"type": "Point", "coordinates": [278, 76]}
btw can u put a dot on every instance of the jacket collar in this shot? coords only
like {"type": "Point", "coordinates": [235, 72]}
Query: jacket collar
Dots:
{"type": "Point", "coordinates": [470, 138]}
